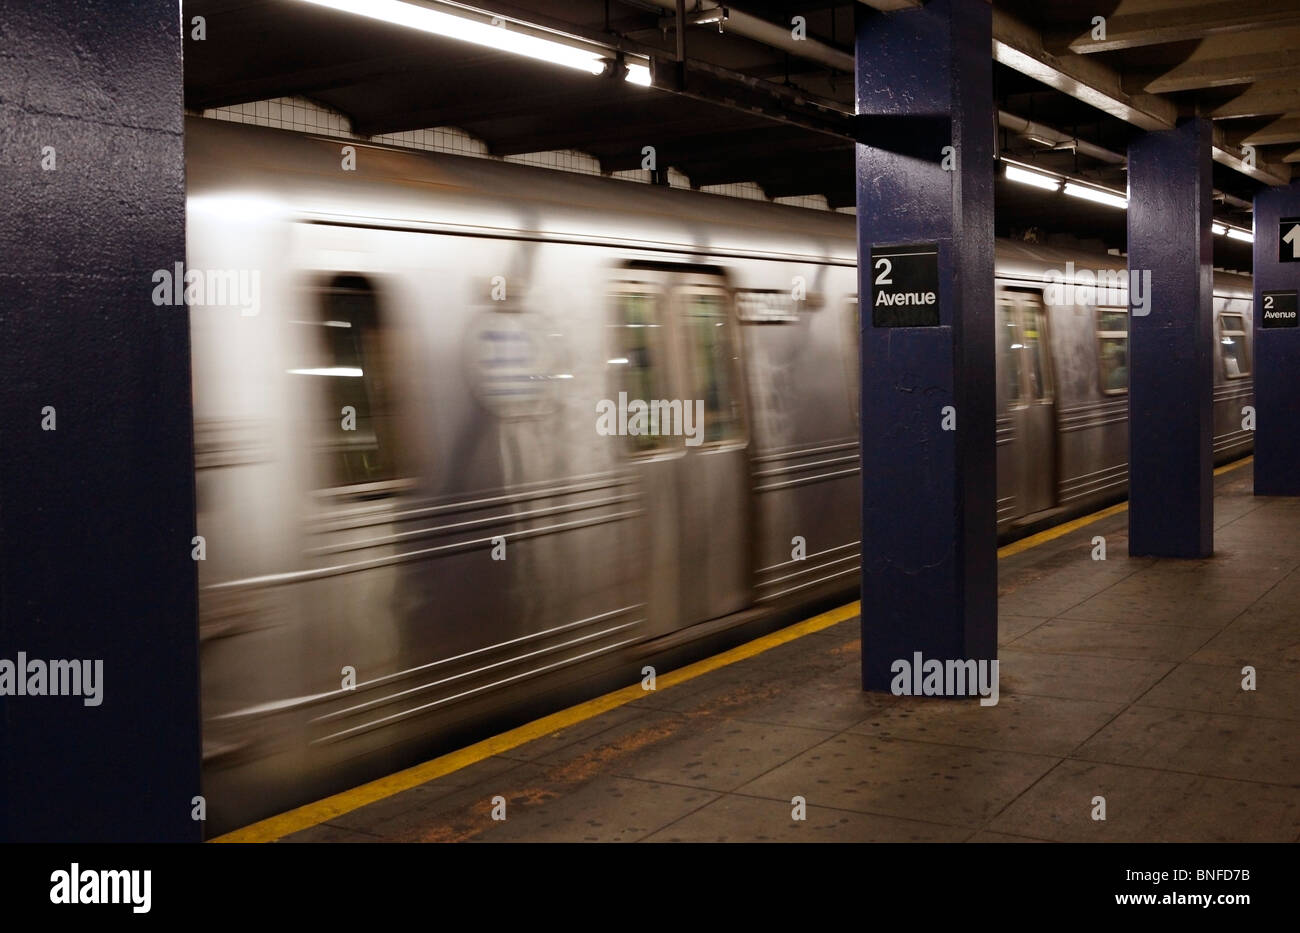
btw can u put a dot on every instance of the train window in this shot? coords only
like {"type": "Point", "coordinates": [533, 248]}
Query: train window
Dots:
{"type": "Point", "coordinates": [1009, 350]}
{"type": "Point", "coordinates": [639, 355]}
{"type": "Point", "coordinates": [1112, 349]}
{"type": "Point", "coordinates": [356, 427]}
{"type": "Point", "coordinates": [1232, 345]}
{"type": "Point", "coordinates": [707, 327]}
{"type": "Point", "coordinates": [1032, 352]}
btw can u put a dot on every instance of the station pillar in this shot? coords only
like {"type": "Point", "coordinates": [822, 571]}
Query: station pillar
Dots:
{"type": "Point", "coordinates": [1277, 341]}
{"type": "Point", "coordinates": [1171, 374]}
{"type": "Point", "coordinates": [925, 242]}
{"type": "Point", "coordinates": [99, 718]}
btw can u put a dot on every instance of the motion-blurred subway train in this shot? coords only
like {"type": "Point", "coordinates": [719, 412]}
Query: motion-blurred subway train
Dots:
{"type": "Point", "coordinates": [416, 526]}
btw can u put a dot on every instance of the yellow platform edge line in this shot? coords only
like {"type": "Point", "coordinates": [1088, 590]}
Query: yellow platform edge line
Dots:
{"type": "Point", "coordinates": [322, 811]}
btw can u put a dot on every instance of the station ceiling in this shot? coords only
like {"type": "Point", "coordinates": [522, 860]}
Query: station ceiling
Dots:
{"type": "Point", "coordinates": [752, 105]}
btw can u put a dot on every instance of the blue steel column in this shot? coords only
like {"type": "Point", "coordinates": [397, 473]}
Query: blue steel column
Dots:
{"type": "Point", "coordinates": [1171, 377]}
{"type": "Point", "coordinates": [96, 465]}
{"type": "Point", "coordinates": [929, 559]}
{"type": "Point", "coordinates": [1277, 352]}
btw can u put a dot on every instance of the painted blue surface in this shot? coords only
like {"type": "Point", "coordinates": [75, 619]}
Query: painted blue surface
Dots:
{"type": "Point", "coordinates": [96, 516]}
{"type": "Point", "coordinates": [1171, 377]}
{"type": "Point", "coordinates": [1277, 353]}
{"type": "Point", "coordinates": [929, 573]}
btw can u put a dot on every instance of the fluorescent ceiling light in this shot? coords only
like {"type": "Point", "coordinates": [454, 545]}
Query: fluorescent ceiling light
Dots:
{"type": "Point", "coordinates": [1096, 194]}
{"type": "Point", "coordinates": [481, 33]}
{"type": "Point", "coordinates": [349, 371]}
{"type": "Point", "coordinates": [1218, 229]}
{"type": "Point", "coordinates": [1047, 182]}
{"type": "Point", "coordinates": [638, 74]}
{"type": "Point", "coordinates": [1243, 235]}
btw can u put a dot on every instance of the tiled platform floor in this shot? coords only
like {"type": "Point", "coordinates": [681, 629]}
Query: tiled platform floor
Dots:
{"type": "Point", "coordinates": [1119, 678]}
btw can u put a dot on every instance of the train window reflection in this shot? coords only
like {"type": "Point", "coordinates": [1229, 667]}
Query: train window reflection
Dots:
{"type": "Point", "coordinates": [1232, 346]}
{"type": "Point", "coordinates": [356, 426]}
{"type": "Point", "coordinates": [707, 327]}
{"type": "Point", "coordinates": [1112, 349]}
{"type": "Point", "coordinates": [639, 357]}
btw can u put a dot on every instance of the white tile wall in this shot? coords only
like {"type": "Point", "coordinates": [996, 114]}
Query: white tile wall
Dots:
{"type": "Point", "coordinates": [742, 189]}
{"type": "Point", "coordinates": [566, 160]}
{"type": "Point", "coordinates": [816, 202]}
{"type": "Point", "coordinates": [305, 116]}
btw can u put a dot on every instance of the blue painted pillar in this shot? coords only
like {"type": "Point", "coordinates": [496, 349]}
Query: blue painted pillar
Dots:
{"type": "Point", "coordinates": [96, 464]}
{"type": "Point", "coordinates": [1171, 374]}
{"type": "Point", "coordinates": [929, 556]}
{"type": "Point", "coordinates": [1277, 343]}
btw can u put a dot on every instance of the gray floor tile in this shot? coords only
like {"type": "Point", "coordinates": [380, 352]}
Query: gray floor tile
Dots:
{"type": "Point", "coordinates": [697, 749]}
{"type": "Point", "coordinates": [1164, 608]}
{"type": "Point", "coordinates": [950, 785]}
{"type": "Point", "coordinates": [1018, 723]}
{"type": "Point", "coordinates": [1235, 747]}
{"type": "Point", "coordinates": [1011, 627]}
{"type": "Point", "coordinates": [1144, 805]}
{"type": "Point", "coordinates": [1141, 641]}
{"type": "Point", "coordinates": [608, 809]}
{"type": "Point", "coordinates": [1212, 689]}
{"type": "Point", "coordinates": [1075, 676]}
{"type": "Point", "coordinates": [734, 818]}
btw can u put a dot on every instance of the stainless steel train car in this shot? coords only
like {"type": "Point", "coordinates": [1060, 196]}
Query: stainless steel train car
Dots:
{"type": "Point", "coordinates": [417, 518]}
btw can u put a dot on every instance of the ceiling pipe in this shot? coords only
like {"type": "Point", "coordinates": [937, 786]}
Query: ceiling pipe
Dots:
{"type": "Point", "coordinates": [760, 30]}
{"type": "Point", "coordinates": [1029, 128]}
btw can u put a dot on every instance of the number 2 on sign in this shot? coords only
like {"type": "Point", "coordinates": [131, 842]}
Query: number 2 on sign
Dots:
{"type": "Point", "coordinates": [886, 267]}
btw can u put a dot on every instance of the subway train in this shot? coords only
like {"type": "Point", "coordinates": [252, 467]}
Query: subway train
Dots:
{"type": "Point", "coordinates": [442, 484]}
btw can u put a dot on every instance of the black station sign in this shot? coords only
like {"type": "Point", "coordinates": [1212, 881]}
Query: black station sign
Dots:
{"type": "Point", "coordinates": [905, 285]}
{"type": "Point", "coordinates": [1288, 243]}
{"type": "Point", "coordinates": [1279, 309]}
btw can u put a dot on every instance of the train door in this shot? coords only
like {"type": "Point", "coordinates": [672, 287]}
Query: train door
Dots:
{"type": "Point", "coordinates": [714, 510]}
{"type": "Point", "coordinates": [1031, 398]}
{"type": "Point", "coordinates": [674, 351]}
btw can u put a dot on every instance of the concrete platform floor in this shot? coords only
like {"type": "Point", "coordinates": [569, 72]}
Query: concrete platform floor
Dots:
{"type": "Point", "coordinates": [1119, 678]}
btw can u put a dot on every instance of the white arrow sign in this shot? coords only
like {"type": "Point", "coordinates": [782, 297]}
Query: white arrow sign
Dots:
{"type": "Point", "coordinates": [1290, 238]}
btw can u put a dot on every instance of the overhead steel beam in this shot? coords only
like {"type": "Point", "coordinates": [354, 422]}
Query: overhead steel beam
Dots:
{"type": "Point", "coordinates": [1021, 47]}
{"type": "Point", "coordinates": [1239, 59]}
{"type": "Point", "coordinates": [1143, 27]}
{"type": "Point", "coordinates": [1285, 130]}
{"type": "Point", "coordinates": [1262, 98]}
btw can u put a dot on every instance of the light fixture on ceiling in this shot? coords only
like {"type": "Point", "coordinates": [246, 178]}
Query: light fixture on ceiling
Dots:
{"type": "Point", "coordinates": [1218, 229]}
{"type": "Point", "coordinates": [1244, 236]}
{"type": "Point", "coordinates": [717, 14]}
{"type": "Point", "coordinates": [1096, 195]}
{"type": "Point", "coordinates": [1037, 179]}
{"type": "Point", "coordinates": [495, 35]}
